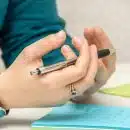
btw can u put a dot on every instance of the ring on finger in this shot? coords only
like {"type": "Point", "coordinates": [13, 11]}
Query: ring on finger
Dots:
{"type": "Point", "coordinates": [73, 91]}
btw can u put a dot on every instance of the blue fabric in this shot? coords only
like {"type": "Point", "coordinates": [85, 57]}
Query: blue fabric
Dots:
{"type": "Point", "coordinates": [26, 21]}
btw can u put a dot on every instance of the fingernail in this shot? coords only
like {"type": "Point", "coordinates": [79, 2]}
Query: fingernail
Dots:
{"type": "Point", "coordinates": [78, 40]}
{"type": "Point", "coordinates": [66, 48]}
{"type": "Point", "coordinates": [60, 34]}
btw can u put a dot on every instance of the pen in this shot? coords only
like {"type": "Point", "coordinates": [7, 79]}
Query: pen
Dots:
{"type": "Point", "coordinates": [61, 65]}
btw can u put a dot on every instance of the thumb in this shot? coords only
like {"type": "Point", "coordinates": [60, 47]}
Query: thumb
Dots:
{"type": "Point", "coordinates": [45, 45]}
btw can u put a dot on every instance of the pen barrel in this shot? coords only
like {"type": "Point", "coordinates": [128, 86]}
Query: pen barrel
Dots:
{"type": "Point", "coordinates": [52, 68]}
{"type": "Point", "coordinates": [103, 53]}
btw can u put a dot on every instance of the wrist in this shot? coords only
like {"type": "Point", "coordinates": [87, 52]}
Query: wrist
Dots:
{"type": "Point", "coordinates": [4, 91]}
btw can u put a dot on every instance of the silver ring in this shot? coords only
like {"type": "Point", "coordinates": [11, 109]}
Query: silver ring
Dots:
{"type": "Point", "coordinates": [73, 90]}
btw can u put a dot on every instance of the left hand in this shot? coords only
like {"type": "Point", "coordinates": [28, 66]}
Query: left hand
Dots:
{"type": "Point", "coordinates": [106, 66]}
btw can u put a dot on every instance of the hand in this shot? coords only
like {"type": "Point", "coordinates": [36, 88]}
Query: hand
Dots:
{"type": "Point", "coordinates": [18, 89]}
{"type": "Point", "coordinates": [106, 66]}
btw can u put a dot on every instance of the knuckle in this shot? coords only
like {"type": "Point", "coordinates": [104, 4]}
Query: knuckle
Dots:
{"type": "Point", "coordinates": [30, 51]}
{"type": "Point", "coordinates": [27, 53]}
{"type": "Point", "coordinates": [81, 73]}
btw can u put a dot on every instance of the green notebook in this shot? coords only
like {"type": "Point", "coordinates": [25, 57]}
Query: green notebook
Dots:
{"type": "Point", "coordinates": [122, 90]}
{"type": "Point", "coordinates": [84, 117]}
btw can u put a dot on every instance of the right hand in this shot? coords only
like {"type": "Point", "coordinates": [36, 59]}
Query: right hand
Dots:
{"type": "Point", "coordinates": [18, 89]}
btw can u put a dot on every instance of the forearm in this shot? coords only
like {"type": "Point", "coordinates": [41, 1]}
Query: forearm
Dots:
{"type": "Point", "coordinates": [4, 93]}
{"type": "Point", "coordinates": [8, 81]}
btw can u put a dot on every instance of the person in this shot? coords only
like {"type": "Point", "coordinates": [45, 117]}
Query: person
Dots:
{"type": "Point", "coordinates": [31, 37]}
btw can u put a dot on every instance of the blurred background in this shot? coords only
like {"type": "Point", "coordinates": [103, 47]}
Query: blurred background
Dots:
{"type": "Point", "coordinates": [112, 15]}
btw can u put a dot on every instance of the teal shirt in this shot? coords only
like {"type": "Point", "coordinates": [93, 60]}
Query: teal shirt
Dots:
{"type": "Point", "coordinates": [22, 22]}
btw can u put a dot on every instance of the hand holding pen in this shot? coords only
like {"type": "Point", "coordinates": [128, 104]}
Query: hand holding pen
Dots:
{"type": "Point", "coordinates": [57, 87]}
{"type": "Point", "coordinates": [106, 68]}
{"type": "Point", "coordinates": [23, 90]}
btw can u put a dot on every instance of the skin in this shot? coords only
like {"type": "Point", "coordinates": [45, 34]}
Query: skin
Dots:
{"type": "Point", "coordinates": [23, 90]}
{"type": "Point", "coordinates": [106, 66]}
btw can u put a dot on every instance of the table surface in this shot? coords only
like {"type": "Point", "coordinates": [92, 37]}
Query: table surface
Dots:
{"type": "Point", "coordinates": [20, 119]}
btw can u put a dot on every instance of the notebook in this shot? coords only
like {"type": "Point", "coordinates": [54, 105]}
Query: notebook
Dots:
{"type": "Point", "coordinates": [122, 90]}
{"type": "Point", "coordinates": [85, 117]}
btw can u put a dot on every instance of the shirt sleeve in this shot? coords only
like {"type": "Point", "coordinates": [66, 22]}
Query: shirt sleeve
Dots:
{"type": "Point", "coordinates": [28, 21]}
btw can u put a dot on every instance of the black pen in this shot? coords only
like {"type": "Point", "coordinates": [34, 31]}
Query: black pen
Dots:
{"type": "Point", "coordinates": [44, 70]}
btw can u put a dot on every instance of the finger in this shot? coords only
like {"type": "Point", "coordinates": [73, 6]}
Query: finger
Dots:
{"type": "Point", "coordinates": [86, 87]}
{"type": "Point", "coordinates": [102, 75]}
{"type": "Point", "coordinates": [75, 72]}
{"type": "Point", "coordinates": [84, 58]}
{"type": "Point", "coordinates": [93, 67]}
{"type": "Point", "coordinates": [77, 45]}
{"type": "Point", "coordinates": [101, 40]}
{"type": "Point", "coordinates": [102, 37]}
{"type": "Point", "coordinates": [45, 45]}
{"type": "Point", "coordinates": [68, 52]}
{"type": "Point", "coordinates": [100, 79]}
{"type": "Point", "coordinates": [105, 42]}
{"type": "Point", "coordinates": [85, 83]}
{"type": "Point", "coordinates": [88, 81]}
{"type": "Point", "coordinates": [89, 35]}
